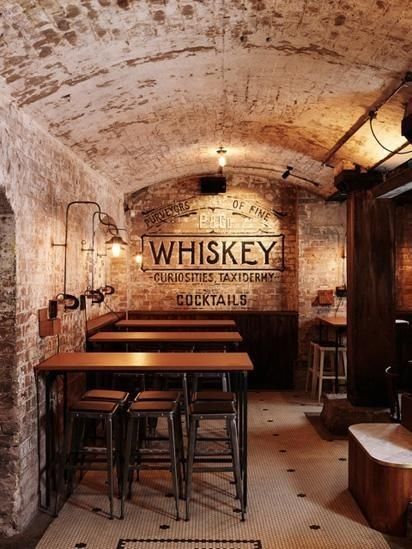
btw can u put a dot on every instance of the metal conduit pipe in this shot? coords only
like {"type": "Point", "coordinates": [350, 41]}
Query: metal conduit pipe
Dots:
{"type": "Point", "coordinates": [364, 118]}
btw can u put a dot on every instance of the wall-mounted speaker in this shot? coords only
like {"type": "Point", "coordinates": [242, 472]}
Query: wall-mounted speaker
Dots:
{"type": "Point", "coordinates": [213, 184]}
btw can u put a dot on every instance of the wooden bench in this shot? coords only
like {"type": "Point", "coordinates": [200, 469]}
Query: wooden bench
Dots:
{"type": "Point", "coordinates": [380, 471]}
{"type": "Point", "coordinates": [102, 322]}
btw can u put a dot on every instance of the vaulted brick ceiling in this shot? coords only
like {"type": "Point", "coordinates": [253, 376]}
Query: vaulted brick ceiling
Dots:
{"type": "Point", "coordinates": [146, 90]}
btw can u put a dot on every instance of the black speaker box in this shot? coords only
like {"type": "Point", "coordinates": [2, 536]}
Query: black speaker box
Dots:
{"type": "Point", "coordinates": [213, 184]}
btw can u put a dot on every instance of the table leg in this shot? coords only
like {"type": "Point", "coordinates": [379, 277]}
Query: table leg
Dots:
{"type": "Point", "coordinates": [39, 471]}
{"type": "Point", "coordinates": [48, 434]}
{"type": "Point", "coordinates": [336, 360]}
{"type": "Point", "coordinates": [243, 433]}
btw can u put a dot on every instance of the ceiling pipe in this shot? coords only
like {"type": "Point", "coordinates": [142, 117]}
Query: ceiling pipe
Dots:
{"type": "Point", "coordinates": [389, 156]}
{"type": "Point", "coordinates": [365, 118]}
{"type": "Point", "coordinates": [275, 170]}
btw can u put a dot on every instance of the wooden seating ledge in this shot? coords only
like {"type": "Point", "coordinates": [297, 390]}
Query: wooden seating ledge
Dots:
{"type": "Point", "coordinates": [380, 471]}
{"type": "Point", "coordinates": [102, 322]}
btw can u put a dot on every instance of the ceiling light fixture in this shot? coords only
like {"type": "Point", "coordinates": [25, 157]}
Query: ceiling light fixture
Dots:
{"type": "Point", "coordinates": [222, 158]}
{"type": "Point", "coordinates": [286, 173]}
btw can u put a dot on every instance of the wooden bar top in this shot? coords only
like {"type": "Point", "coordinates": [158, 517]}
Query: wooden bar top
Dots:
{"type": "Point", "coordinates": [334, 321]}
{"type": "Point", "coordinates": [175, 323]}
{"type": "Point", "coordinates": [165, 337]}
{"type": "Point", "coordinates": [144, 362]}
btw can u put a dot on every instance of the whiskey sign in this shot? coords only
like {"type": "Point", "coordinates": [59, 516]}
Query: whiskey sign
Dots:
{"type": "Point", "coordinates": [213, 252]}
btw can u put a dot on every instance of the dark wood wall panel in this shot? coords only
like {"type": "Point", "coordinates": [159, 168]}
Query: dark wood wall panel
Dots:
{"type": "Point", "coordinates": [270, 338]}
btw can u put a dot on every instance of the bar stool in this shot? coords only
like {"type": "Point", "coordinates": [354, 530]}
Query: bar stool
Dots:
{"type": "Point", "coordinates": [215, 396]}
{"type": "Point", "coordinates": [160, 396]}
{"type": "Point", "coordinates": [106, 394]}
{"type": "Point", "coordinates": [319, 373]}
{"type": "Point", "coordinates": [213, 410]}
{"type": "Point", "coordinates": [223, 378]}
{"type": "Point", "coordinates": [151, 394]}
{"type": "Point", "coordinates": [121, 398]}
{"type": "Point", "coordinates": [138, 458]}
{"type": "Point", "coordinates": [311, 367]}
{"type": "Point", "coordinates": [74, 449]}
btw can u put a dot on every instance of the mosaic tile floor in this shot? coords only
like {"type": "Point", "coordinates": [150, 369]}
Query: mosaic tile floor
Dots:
{"type": "Point", "coordinates": [298, 497]}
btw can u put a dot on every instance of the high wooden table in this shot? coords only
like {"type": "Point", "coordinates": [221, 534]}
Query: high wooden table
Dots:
{"type": "Point", "coordinates": [338, 325]}
{"type": "Point", "coordinates": [168, 338]}
{"type": "Point", "coordinates": [175, 324]}
{"type": "Point", "coordinates": [62, 364]}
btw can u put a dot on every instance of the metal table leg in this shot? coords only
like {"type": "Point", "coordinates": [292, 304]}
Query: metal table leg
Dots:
{"type": "Point", "coordinates": [243, 433]}
{"type": "Point", "coordinates": [336, 360]}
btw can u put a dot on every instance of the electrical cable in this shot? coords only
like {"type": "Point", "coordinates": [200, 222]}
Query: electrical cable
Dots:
{"type": "Point", "coordinates": [371, 117]}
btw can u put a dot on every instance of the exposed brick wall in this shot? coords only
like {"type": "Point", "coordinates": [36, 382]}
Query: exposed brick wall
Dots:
{"type": "Point", "coordinates": [403, 222]}
{"type": "Point", "coordinates": [239, 214]}
{"type": "Point", "coordinates": [9, 426]}
{"type": "Point", "coordinates": [39, 177]}
{"type": "Point", "coordinates": [321, 230]}
{"type": "Point", "coordinates": [315, 238]}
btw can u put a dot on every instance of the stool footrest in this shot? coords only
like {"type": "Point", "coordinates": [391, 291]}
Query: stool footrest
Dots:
{"type": "Point", "coordinates": [212, 469]}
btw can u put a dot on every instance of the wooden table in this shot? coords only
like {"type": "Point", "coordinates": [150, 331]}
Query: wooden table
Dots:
{"type": "Point", "coordinates": [168, 338]}
{"type": "Point", "coordinates": [338, 324]}
{"type": "Point", "coordinates": [62, 364]}
{"type": "Point", "coordinates": [164, 324]}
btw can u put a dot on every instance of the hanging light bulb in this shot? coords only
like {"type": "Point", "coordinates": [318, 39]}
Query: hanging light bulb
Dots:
{"type": "Point", "coordinates": [139, 259]}
{"type": "Point", "coordinates": [116, 242]}
{"type": "Point", "coordinates": [116, 249]}
{"type": "Point", "coordinates": [222, 158]}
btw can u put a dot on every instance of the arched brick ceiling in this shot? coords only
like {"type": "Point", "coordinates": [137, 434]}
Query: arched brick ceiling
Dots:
{"type": "Point", "coordinates": [145, 90]}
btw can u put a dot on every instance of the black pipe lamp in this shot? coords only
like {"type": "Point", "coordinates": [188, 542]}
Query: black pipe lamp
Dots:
{"type": "Point", "coordinates": [116, 242]}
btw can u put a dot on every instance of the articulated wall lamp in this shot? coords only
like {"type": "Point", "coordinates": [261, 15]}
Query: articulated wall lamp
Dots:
{"type": "Point", "coordinates": [98, 295]}
{"type": "Point", "coordinates": [71, 302]}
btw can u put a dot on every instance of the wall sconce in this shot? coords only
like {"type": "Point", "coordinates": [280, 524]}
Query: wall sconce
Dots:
{"type": "Point", "coordinates": [116, 242]}
{"type": "Point", "coordinates": [71, 302]}
{"type": "Point", "coordinates": [139, 260]}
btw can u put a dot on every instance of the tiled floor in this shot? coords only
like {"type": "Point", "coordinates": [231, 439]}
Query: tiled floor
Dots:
{"type": "Point", "coordinates": [298, 497]}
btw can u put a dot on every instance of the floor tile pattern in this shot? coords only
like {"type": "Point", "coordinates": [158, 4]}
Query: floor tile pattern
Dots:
{"type": "Point", "coordinates": [298, 497]}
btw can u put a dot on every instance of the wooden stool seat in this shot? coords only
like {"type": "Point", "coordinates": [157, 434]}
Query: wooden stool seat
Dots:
{"type": "Point", "coordinates": [212, 408]}
{"type": "Point", "coordinates": [214, 395]}
{"type": "Point", "coordinates": [106, 394]}
{"type": "Point", "coordinates": [158, 395]}
{"type": "Point", "coordinates": [94, 407]}
{"type": "Point", "coordinates": [150, 407]}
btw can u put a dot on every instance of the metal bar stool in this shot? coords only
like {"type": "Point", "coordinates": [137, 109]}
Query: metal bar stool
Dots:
{"type": "Point", "coordinates": [213, 410]}
{"type": "Point", "coordinates": [168, 396]}
{"type": "Point", "coordinates": [320, 373]}
{"type": "Point", "coordinates": [75, 450]}
{"type": "Point", "coordinates": [139, 458]}
{"type": "Point", "coordinates": [122, 398]}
